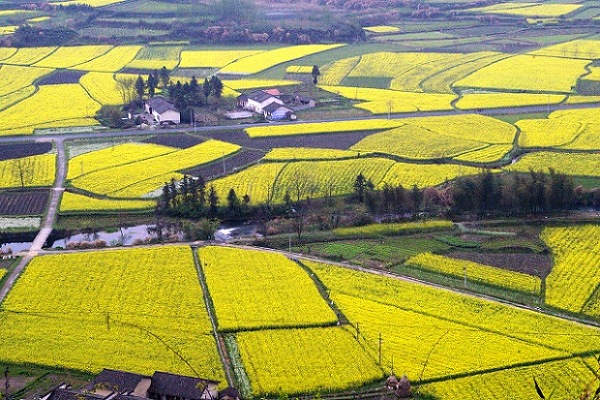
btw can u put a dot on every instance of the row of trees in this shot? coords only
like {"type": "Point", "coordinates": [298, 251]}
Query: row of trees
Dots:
{"type": "Point", "coordinates": [192, 94]}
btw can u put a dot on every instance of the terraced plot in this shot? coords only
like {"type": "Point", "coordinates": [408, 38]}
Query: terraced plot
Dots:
{"type": "Point", "coordinates": [112, 61]}
{"type": "Point", "coordinates": [156, 57]}
{"type": "Point", "coordinates": [213, 58]}
{"type": "Point", "coordinates": [65, 57]}
{"type": "Point", "coordinates": [36, 170]}
{"type": "Point", "coordinates": [29, 55]}
{"type": "Point", "coordinates": [72, 202]}
{"type": "Point", "coordinates": [571, 163]}
{"type": "Point", "coordinates": [501, 100]}
{"type": "Point", "coordinates": [13, 78]}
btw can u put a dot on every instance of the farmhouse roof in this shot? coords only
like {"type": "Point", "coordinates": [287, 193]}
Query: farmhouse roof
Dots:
{"type": "Point", "coordinates": [68, 394]}
{"type": "Point", "coordinates": [272, 92]}
{"type": "Point", "coordinates": [178, 385]}
{"type": "Point", "coordinates": [160, 105]}
{"type": "Point", "coordinates": [230, 392]}
{"type": "Point", "coordinates": [117, 381]}
{"type": "Point", "coordinates": [274, 107]}
{"type": "Point", "coordinates": [259, 96]}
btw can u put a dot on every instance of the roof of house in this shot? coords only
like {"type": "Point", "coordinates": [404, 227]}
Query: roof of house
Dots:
{"type": "Point", "coordinates": [160, 105]}
{"type": "Point", "coordinates": [274, 107]}
{"type": "Point", "coordinates": [229, 392]}
{"type": "Point", "coordinates": [272, 92]}
{"type": "Point", "coordinates": [117, 381]}
{"type": "Point", "coordinates": [259, 96]}
{"type": "Point", "coordinates": [178, 385]}
{"type": "Point", "coordinates": [68, 394]}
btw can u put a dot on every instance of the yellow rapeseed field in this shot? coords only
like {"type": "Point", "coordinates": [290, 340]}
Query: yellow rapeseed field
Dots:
{"type": "Point", "coordinates": [76, 202]}
{"type": "Point", "coordinates": [55, 106]}
{"type": "Point", "coordinates": [580, 48]}
{"type": "Point", "coordinates": [102, 87]}
{"type": "Point", "coordinates": [459, 328]}
{"type": "Point", "coordinates": [6, 52]}
{"type": "Point", "coordinates": [307, 153]}
{"type": "Point", "coordinates": [256, 289]}
{"type": "Point", "coordinates": [575, 275]}
{"type": "Point", "coordinates": [375, 230]}
{"type": "Point", "coordinates": [13, 78]}
{"type": "Point", "coordinates": [501, 100]}
{"type": "Point", "coordinates": [547, 132]}
{"type": "Point", "coordinates": [390, 65]}
{"type": "Point", "coordinates": [29, 55]}
{"type": "Point", "coordinates": [299, 69]}
{"type": "Point", "coordinates": [257, 181]}
{"type": "Point", "coordinates": [213, 58]}
{"type": "Point", "coordinates": [323, 127]}
{"type": "Point", "coordinates": [16, 96]}
{"type": "Point", "coordinates": [65, 57]}
{"type": "Point", "coordinates": [113, 156]}
{"type": "Point", "coordinates": [424, 175]}
{"type": "Point", "coordinates": [294, 361]}
{"type": "Point", "coordinates": [566, 163]}
{"type": "Point", "coordinates": [488, 154]}
{"type": "Point", "coordinates": [28, 171]}
{"type": "Point", "coordinates": [537, 73]}
{"type": "Point", "coordinates": [80, 310]}
{"type": "Point", "coordinates": [528, 9]}
{"type": "Point", "coordinates": [245, 84]}
{"type": "Point", "coordinates": [488, 275]}
{"type": "Point", "coordinates": [264, 60]}
{"type": "Point", "coordinates": [334, 74]}
{"type": "Point", "coordinates": [112, 61]}
{"type": "Point", "coordinates": [138, 178]}
{"type": "Point", "coordinates": [415, 142]}
{"type": "Point", "coordinates": [565, 379]}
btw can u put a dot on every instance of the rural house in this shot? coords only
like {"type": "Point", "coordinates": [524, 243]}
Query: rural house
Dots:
{"type": "Point", "coordinates": [277, 112]}
{"type": "Point", "coordinates": [162, 111]}
{"type": "Point", "coordinates": [120, 385]}
{"type": "Point", "coordinates": [257, 100]}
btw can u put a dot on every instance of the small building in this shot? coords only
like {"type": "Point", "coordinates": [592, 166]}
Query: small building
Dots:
{"type": "Point", "coordinates": [278, 112]}
{"type": "Point", "coordinates": [257, 100]}
{"type": "Point", "coordinates": [113, 381]}
{"type": "Point", "coordinates": [229, 393]}
{"type": "Point", "coordinates": [166, 386]}
{"type": "Point", "coordinates": [162, 110]}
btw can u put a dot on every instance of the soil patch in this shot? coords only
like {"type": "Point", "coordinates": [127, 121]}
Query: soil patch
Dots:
{"type": "Point", "coordinates": [232, 164]}
{"type": "Point", "coordinates": [23, 202]}
{"type": "Point", "coordinates": [180, 140]}
{"type": "Point", "coordinates": [10, 151]}
{"type": "Point", "coordinates": [62, 76]}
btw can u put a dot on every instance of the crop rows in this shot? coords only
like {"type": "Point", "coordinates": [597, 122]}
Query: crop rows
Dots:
{"type": "Point", "coordinates": [77, 202]}
{"type": "Point", "coordinates": [212, 58]}
{"type": "Point", "coordinates": [23, 203]}
{"type": "Point", "coordinates": [29, 171]}
{"type": "Point", "coordinates": [65, 57]}
{"type": "Point", "coordinates": [406, 228]}
{"type": "Point", "coordinates": [113, 61]}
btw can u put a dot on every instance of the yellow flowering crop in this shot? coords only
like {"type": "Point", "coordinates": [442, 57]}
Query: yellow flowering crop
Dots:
{"type": "Point", "coordinates": [528, 9]}
{"type": "Point", "coordinates": [102, 87]}
{"type": "Point", "coordinates": [565, 379]}
{"type": "Point", "coordinates": [156, 57]}
{"type": "Point", "coordinates": [2, 273]}
{"type": "Point", "coordinates": [411, 141]}
{"type": "Point", "coordinates": [547, 132]}
{"type": "Point", "coordinates": [120, 180]}
{"type": "Point", "coordinates": [39, 19]}
{"type": "Point", "coordinates": [323, 127]}
{"type": "Point", "coordinates": [245, 84]}
{"type": "Point", "coordinates": [13, 78]}
{"type": "Point", "coordinates": [393, 229]}
{"type": "Point", "coordinates": [382, 29]}
{"type": "Point", "coordinates": [257, 289]}
{"type": "Point", "coordinates": [29, 55]}
{"type": "Point", "coordinates": [417, 316]}
{"type": "Point", "coordinates": [538, 73]}
{"type": "Point", "coordinates": [55, 106]}
{"type": "Point", "coordinates": [212, 58]}
{"type": "Point", "coordinates": [294, 361]}
{"type": "Point", "coordinates": [34, 170]}
{"type": "Point", "coordinates": [65, 57]}
{"type": "Point", "coordinates": [299, 69]}
{"type": "Point", "coordinates": [77, 202]}
{"type": "Point", "coordinates": [113, 156]}
{"type": "Point", "coordinates": [576, 272]}
{"type": "Point", "coordinates": [112, 61]}
{"type": "Point", "coordinates": [134, 310]}
{"type": "Point", "coordinates": [307, 153]}
{"type": "Point", "coordinates": [570, 163]}
{"type": "Point", "coordinates": [6, 52]}
{"type": "Point", "coordinates": [16, 96]}
{"type": "Point", "coordinates": [390, 65]}
{"type": "Point", "coordinates": [424, 175]}
{"type": "Point", "coordinates": [264, 60]}
{"type": "Point", "coordinates": [480, 273]}
{"type": "Point", "coordinates": [580, 48]}
{"type": "Point", "coordinates": [488, 154]}
{"type": "Point", "coordinates": [257, 181]}
{"type": "Point", "coordinates": [500, 100]}
{"type": "Point", "coordinates": [333, 74]}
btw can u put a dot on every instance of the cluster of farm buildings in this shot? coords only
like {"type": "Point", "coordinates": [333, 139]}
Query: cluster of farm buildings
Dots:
{"type": "Point", "coordinates": [271, 104]}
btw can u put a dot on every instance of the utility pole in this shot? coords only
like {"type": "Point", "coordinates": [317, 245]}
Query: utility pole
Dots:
{"type": "Point", "coordinates": [380, 342]}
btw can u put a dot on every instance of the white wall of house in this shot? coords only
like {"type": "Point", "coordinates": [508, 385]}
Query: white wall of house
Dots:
{"type": "Point", "coordinates": [168, 115]}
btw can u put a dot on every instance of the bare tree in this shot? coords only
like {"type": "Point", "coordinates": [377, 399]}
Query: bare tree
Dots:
{"type": "Point", "coordinates": [300, 184]}
{"type": "Point", "coordinates": [126, 88]}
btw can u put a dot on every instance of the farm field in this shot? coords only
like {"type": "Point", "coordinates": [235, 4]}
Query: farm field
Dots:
{"type": "Point", "coordinates": [277, 291]}
{"type": "Point", "coordinates": [73, 202]}
{"type": "Point", "coordinates": [38, 170]}
{"type": "Point", "coordinates": [80, 309]}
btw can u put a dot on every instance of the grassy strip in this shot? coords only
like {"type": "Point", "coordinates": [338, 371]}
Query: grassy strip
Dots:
{"type": "Point", "coordinates": [375, 230]}
{"type": "Point", "coordinates": [239, 372]}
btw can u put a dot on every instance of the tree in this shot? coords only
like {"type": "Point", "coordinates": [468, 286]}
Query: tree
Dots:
{"type": "Point", "coordinates": [164, 76]}
{"type": "Point", "coordinates": [195, 90]}
{"type": "Point", "coordinates": [152, 83]}
{"type": "Point", "coordinates": [213, 200]}
{"type": "Point", "coordinates": [238, 11]}
{"type": "Point", "coordinates": [360, 186]}
{"type": "Point", "coordinates": [206, 89]}
{"type": "Point", "coordinates": [233, 202]}
{"type": "Point", "coordinates": [217, 86]}
{"type": "Point", "coordinates": [315, 73]}
{"type": "Point", "coordinates": [126, 88]}
{"type": "Point", "coordinates": [140, 87]}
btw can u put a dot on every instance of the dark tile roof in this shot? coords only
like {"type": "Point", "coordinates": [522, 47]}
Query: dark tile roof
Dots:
{"type": "Point", "coordinates": [272, 107]}
{"type": "Point", "coordinates": [178, 385]}
{"type": "Point", "coordinates": [68, 394]}
{"type": "Point", "coordinates": [117, 381]}
{"type": "Point", "coordinates": [161, 105]}
{"type": "Point", "coordinates": [127, 397]}
{"type": "Point", "coordinates": [259, 96]}
{"type": "Point", "coordinates": [229, 392]}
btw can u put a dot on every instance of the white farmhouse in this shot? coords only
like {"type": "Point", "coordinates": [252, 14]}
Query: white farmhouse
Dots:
{"type": "Point", "coordinates": [162, 111]}
{"type": "Point", "coordinates": [257, 100]}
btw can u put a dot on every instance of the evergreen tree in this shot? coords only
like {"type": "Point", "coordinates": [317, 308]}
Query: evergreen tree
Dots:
{"type": "Point", "coordinates": [140, 87]}
{"type": "Point", "coordinates": [152, 83]}
{"type": "Point", "coordinates": [217, 86]}
{"type": "Point", "coordinates": [213, 200]}
{"type": "Point", "coordinates": [315, 73]}
{"type": "Point", "coordinates": [164, 76]}
{"type": "Point", "coordinates": [206, 89]}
